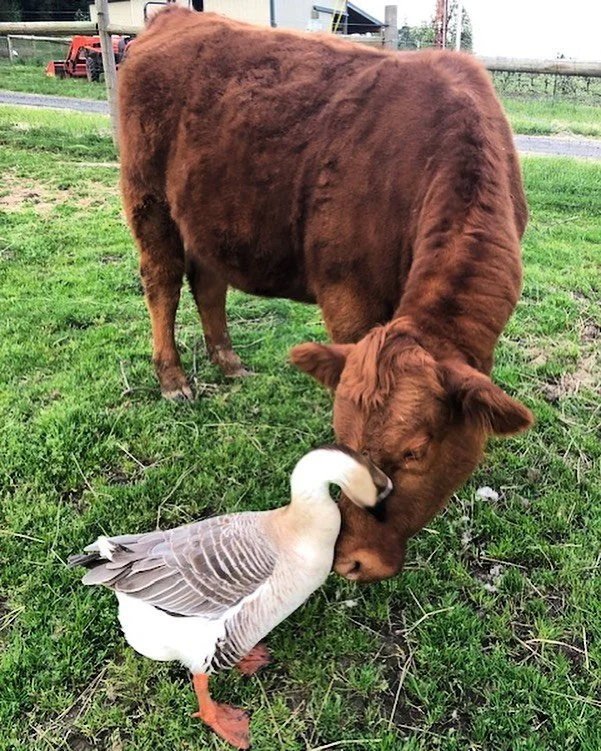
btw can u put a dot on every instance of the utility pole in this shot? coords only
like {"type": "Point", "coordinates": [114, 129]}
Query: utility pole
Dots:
{"type": "Point", "coordinates": [459, 25]}
{"type": "Point", "coordinates": [440, 23]}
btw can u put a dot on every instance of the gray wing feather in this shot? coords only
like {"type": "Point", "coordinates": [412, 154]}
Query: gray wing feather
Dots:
{"type": "Point", "coordinates": [201, 569]}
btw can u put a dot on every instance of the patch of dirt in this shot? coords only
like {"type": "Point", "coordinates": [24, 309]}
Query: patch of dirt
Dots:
{"type": "Point", "coordinates": [590, 332]}
{"type": "Point", "coordinates": [488, 575]}
{"type": "Point", "coordinates": [537, 356]}
{"type": "Point", "coordinates": [26, 194]}
{"type": "Point", "coordinates": [585, 376]}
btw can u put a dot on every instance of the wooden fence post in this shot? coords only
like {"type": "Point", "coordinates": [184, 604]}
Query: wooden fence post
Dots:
{"type": "Point", "coordinates": [109, 67]}
{"type": "Point", "coordinates": [10, 48]}
{"type": "Point", "coordinates": [391, 30]}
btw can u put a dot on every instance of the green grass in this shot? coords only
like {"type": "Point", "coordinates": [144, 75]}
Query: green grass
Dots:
{"type": "Point", "coordinates": [495, 626]}
{"type": "Point", "coordinates": [550, 117]}
{"type": "Point", "coordinates": [32, 79]}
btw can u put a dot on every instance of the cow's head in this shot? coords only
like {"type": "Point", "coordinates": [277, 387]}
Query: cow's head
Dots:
{"type": "Point", "coordinates": [424, 422]}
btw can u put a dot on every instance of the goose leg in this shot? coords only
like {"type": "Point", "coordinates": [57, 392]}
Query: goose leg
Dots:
{"type": "Point", "coordinates": [229, 723]}
{"type": "Point", "coordinates": [257, 658]}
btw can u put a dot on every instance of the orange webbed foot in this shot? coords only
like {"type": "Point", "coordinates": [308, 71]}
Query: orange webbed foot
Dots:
{"type": "Point", "coordinates": [230, 723]}
{"type": "Point", "coordinates": [257, 658]}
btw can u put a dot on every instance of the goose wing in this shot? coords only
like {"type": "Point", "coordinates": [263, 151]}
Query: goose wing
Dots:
{"type": "Point", "coordinates": [201, 569]}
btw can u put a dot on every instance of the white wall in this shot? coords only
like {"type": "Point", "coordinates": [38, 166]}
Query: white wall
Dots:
{"type": "Point", "coordinates": [289, 14]}
{"type": "Point", "coordinates": [130, 11]}
{"type": "Point", "coordinates": [296, 14]}
{"type": "Point", "coordinates": [250, 11]}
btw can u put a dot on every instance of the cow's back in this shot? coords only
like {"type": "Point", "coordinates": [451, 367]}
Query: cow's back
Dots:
{"type": "Point", "coordinates": [283, 155]}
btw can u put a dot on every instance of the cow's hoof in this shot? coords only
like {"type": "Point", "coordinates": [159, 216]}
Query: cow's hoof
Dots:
{"type": "Point", "coordinates": [240, 372]}
{"type": "Point", "coordinates": [229, 363]}
{"type": "Point", "coordinates": [180, 394]}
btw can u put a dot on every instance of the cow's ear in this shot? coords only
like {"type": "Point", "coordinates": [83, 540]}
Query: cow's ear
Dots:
{"type": "Point", "coordinates": [483, 403]}
{"type": "Point", "coordinates": [324, 362]}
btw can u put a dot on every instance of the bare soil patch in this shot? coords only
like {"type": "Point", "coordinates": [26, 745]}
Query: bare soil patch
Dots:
{"type": "Point", "coordinates": [586, 376]}
{"type": "Point", "coordinates": [26, 194]}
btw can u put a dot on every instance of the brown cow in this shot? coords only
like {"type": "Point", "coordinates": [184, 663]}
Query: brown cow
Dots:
{"type": "Point", "coordinates": [383, 186]}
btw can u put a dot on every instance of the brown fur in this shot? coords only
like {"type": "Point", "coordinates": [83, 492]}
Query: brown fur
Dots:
{"type": "Point", "coordinates": [383, 186]}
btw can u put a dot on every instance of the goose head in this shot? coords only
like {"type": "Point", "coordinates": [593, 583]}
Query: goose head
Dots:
{"type": "Point", "coordinates": [360, 480]}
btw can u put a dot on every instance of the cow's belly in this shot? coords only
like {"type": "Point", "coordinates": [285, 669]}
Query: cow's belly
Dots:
{"type": "Point", "coordinates": [266, 274]}
{"type": "Point", "coordinates": [293, 288]}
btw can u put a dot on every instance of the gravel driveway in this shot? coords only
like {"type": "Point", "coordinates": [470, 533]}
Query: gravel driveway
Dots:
{"type": "Point", "coordinates": [583, 148]}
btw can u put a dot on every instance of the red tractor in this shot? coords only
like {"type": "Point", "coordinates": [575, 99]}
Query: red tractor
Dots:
{"type": "Point", "coordinates": [84, 58]}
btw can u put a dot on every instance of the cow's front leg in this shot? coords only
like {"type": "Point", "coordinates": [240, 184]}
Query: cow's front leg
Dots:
{"type": "Point", "coordinates": [210, 292]}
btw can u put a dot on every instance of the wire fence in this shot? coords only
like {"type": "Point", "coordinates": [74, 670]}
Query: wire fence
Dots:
{"type": "Point", "coordinates": [582, 89]}
{"type": "Point", "coordinates": [33, 51]}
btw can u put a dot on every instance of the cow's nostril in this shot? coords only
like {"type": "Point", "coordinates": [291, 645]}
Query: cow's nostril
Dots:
{"type": "Point", "coordinates": [349, 568]}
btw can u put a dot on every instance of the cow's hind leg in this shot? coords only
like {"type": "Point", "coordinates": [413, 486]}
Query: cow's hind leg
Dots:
{"type": "Point", "coordinates": [162, 272]}
{"type": "Point", "coordinates": [210, 292]}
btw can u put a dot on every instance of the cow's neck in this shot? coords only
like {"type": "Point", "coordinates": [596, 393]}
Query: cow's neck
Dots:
{"type": "Point", "coordinates": [463, 284]}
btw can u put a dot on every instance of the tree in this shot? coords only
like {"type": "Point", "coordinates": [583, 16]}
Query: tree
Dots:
{"type": "Point", "coordinates": [43, 10]}
{"type": "Point", "coordinates": [416, 37]}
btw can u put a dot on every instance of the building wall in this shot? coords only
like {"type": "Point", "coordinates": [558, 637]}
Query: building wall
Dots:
{"type": "Point", "coordinates": [293, 15]}
{"type": "Point", "coordinates": [250, 11]}
{"type": "Point", "coordinates": [130, 11]}
{"type": "Point", "coordinates": [297, 14]}
{"type": "Point", "coordinates": [289, 14]}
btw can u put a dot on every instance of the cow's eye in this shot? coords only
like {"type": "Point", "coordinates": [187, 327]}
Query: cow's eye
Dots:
{"type": "Point", "coordinates": [414, 454]}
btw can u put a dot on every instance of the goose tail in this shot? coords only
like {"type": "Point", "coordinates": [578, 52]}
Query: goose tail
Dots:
{"type": "Point", "coordinates": [88, 560]}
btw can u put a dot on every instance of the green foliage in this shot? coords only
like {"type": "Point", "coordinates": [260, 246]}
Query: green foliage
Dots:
{"type": "Point", "coordinates": [44, 10]}
{"type": "Point", "coordinates": [424, 35]}
{"type": "Point", "coordinates": [491, 638]}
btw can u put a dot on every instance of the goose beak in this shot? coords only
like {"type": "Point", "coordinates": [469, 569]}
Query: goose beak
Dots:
{"type": "Point", "coordinates": [386, 492]}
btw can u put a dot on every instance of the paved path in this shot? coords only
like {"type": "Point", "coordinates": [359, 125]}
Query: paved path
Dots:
{"type": "Point", "coordinates": [587, 148]}
{"type": "Point", "coordinates": [584, 148]}
{"type": "Point", "coordinates": [54, 102]}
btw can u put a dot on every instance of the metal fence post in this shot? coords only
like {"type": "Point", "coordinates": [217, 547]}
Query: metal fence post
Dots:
{"type": "Point", "coordinates": [109, 67]}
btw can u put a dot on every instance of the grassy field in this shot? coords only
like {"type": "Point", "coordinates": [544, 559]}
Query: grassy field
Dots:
{"type": "Point", "coordinates": [549, 117]}
{"type": "Point", "coordinates": [33, 80]}
{"type": "Point", "coordinates": [530, 113]}
{"type": "Point", "coordinates": [490, 640]}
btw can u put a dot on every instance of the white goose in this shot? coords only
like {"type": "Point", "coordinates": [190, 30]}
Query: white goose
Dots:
{"type": "Point", "coordinates": [206, 593]}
